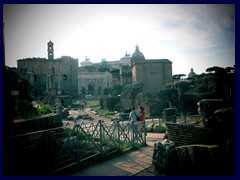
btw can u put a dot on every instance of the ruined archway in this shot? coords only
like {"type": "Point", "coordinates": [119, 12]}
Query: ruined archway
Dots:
{"type": "Point", "coordinates": [83, 91]}
{"type": "Point", "coordinates": [99, 91]}
{"type": "Point", "coordinates": [91, 87]}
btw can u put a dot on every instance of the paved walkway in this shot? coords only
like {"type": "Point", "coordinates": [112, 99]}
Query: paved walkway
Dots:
{"type": "Point", "coordinates": [127, 164]}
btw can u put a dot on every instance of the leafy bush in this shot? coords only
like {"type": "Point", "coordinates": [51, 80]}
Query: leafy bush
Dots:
{"type": "Point", "coordinates": [117, 89]}
{"type": "Point", "coordinates": [44, 110]}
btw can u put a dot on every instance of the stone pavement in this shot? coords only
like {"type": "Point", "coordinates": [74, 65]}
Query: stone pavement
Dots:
{"type": "Point", "coordinates": [128, 164]}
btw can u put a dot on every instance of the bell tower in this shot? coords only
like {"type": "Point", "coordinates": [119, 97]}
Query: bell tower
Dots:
{"type": "Point", "coordinates": [50, 50]}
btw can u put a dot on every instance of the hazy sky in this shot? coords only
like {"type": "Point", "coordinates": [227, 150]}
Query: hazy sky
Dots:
{"type": "Point", "coordinates": [191, 36]}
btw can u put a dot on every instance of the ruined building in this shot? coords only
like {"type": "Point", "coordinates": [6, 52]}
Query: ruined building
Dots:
{"type": "Point", "coordinates": [153, 74]}
{"type": "Point", "coordinates": [93, 78]}
{"type": "Point", "coordinates": [50, 76]}
{"type": "Point", "coordinates": [63, 76]}
{"type": "Point", "coordinates": [93, 83]}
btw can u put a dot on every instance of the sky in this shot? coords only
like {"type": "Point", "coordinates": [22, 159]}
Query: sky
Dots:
{"type": "Point", "coordinates": [195, 36]}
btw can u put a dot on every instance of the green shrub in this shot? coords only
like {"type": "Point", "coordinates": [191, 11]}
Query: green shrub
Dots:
{"type": "Point", "coordinates": [44, 110]}
{"type": "Point", "coordinates": [104, 112]}
{"type": "Point", "coordinates": [148, 116]}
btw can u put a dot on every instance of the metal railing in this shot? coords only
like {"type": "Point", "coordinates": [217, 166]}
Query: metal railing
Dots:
{"type": "Point", "coordinates": [53, 150]}
{"type": "Point", "coordinates": [176, 118]}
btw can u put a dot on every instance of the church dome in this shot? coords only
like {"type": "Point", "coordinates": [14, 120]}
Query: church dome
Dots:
{"type": "Point", "coordinates": [192, 73]}
{"type": "Point", "coordinates": [137, 55]}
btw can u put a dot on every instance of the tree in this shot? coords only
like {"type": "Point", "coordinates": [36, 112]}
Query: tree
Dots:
{"type": "Point", "coordinates": [178, 76]}
{"type": "Point", "coordinates": [215, 70]}
{"type": "Point", "coordinates": [183, 86]}
{"type": "Point", "coordinates": [25, 89]}
{"type": "Point", "coordinates": [230, 70]}
{"type": "Point", "coordinates": [107, 91]}
{"type": "Point", "coordinates": [19, 105]}
{"type": "Point", "coordinates": [117, 89]}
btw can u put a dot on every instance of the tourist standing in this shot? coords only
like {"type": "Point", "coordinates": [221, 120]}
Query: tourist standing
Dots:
{"type": "Point", "coordinates": [143, 114]}
{"type": "Point", "coordinates": [133, 118]}
{"type": "Point", "coordinates": [134, 115]}
{"type": "Point", "coordinates": [142, 117]}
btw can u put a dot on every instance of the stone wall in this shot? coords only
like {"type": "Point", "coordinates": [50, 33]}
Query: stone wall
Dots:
{"type": "Point", "coordinates": [153, 74]}
{"type": "Point", "coordinates": [153, 102]}
{"type": "Point", "coordinates": [64, 100]}
{"type": "Point", "coordinates": [65, 74]}
{"type": "Point", "coordinates": [36, 124]}
{"type": "Point", "coordinates": [150, 102]}
{"type": "Point", "coordinates": [189, 160]}
{"type": "Point", "coordinates": [189, 134]}
{"type": "Point", "coordinates": [129, 94]}
{"type": "Point", "coordinates": [111, 103]}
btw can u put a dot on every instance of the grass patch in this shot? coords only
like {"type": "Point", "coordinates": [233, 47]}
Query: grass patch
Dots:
{"type": "Point", "coordinates": [182, 119]}
{"type": "Point", "coordinates": [44, 110]}
{"type": "Point", "coordinates": [92, 103]}
{"type": "Point", "coordinates": [104, 112]}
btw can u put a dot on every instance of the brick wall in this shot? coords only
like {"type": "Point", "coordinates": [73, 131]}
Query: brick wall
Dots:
{"type": "Point", "coordinates": [189, 134]}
